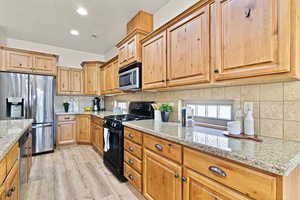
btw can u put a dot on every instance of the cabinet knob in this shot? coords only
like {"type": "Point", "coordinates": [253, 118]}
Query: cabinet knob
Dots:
{"type": "Point", "coordinates": [130, 148]}
{"type": "Point", "coordinates": [158, 147]}
{"type": "Point", "coordinates": [130, 162]}
{"type": "Point", "coordinates": [176, 175]}
{"type": "Point", "coordinates": [130, 135]}
{"type": "Point", "coordinates": [8, 194]}
{"type": "Point", "coordinates": [13, 189]}
{"type": "Point", "coordinates": [20, 64]}
{"type": "Point", "coordinates": [184, 179]}
{"type": "Point", "coordinates": [130, 176]}
{"type": "Point", "coordinates": [216, 71]}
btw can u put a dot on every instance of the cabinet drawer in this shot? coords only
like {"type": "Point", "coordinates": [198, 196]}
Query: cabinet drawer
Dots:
{"type": "Point", "coordinates": [133, 162]}
{"type": "Point", "coordinates": [63, 118]}
{"type": "Point", "coordinates": [12, 156]}
{"type": "Point", "coordinates": [133, 177]}
{"type": "Point", "coordinates": [247, 181]}
{"type": "Point", "coordinates": [2, 170]}
{"type": "Point", "coordinates": [133, 148]}
{"type": "Point", "coordinates": [97, 120]}
{"type": "Point", "coordinates": [133, 135]}
{"type": "Point", "coordinates": [163, 147]}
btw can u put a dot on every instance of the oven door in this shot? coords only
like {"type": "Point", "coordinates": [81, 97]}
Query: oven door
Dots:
{"type": "Point", "coordinates": [130, 79]}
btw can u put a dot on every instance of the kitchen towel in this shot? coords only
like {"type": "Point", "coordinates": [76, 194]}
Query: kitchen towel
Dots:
{"type": "Point", "coordinates": [106, 140]}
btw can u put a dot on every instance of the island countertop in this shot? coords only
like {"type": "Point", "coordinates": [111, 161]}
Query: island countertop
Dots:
{"type": "Point", "coordinates": [10, 133]}
{"type": "Point", "coordinates": [276, 156]}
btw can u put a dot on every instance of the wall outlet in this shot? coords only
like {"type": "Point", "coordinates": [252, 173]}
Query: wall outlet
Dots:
{"type": "Point", "coordinates": [248, 106]}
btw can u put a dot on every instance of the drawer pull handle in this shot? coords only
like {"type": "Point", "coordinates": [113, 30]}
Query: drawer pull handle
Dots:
{"type": "Point", "coordinates": [217, 171]}
{"type": "Point", "coordinates": [130, 177]}
{"type": "Point", "coordinates": [130, 148]}
{"type": "Point", "coordinates": [130, 135]}
{"type": "Point", "coordinates": [67, 118]}
{"type": "Point", "coordinates": [158, 147]}
{"type": "Point", "coordinates": [130, 162]}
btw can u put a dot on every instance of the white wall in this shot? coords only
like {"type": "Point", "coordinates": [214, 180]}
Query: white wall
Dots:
{"type": "Point", "coordinates": [111, 53]}
{"type": "Point", "coordinates": [2, 37]}
{"type": "Point", "coordinates": [67, 57]}
{"type": "Point", "coordinates": [171, 10]}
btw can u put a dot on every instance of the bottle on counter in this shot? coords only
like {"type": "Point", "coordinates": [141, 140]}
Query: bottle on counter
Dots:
{"type": "Point", "coordinates": [249, 123]}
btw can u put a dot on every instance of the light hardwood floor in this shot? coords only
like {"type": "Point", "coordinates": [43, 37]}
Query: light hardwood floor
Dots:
{"type": "Point", "coordinates": [75, 173]}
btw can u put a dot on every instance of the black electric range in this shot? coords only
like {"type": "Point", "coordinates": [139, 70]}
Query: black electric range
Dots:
{"type": "Point", "coordinates": [114, 156]}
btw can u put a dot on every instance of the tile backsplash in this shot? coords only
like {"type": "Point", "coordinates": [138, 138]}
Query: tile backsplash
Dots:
{"type": "Point", "coordinates": [276, 105]}
{"type": "Point", "coordinates": [82, 102]}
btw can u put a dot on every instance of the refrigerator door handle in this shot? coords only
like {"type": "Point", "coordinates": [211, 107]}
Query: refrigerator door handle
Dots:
{"type": "Point", "coordinates": [41, 125]}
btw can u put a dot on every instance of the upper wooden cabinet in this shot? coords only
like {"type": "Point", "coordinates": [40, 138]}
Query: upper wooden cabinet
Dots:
{"type": "Point", "coordinates": [92, 81]}
{"type": "Point", "coordinates": [130, 49]}
{"type": "Point", "coordinates": [69, 81]}
{"type": "Point", "coordinates": [189, 49]}
{"type": "Point", "coordinates": [154, 59]}
{"type": "Point", "coordinates": [142, 21]}
{"type": "Point", "coordinates": [17, 60]}
{"type": "Point", "coordinates": [110, 74]}
{"type": "Point", "coordinates": [251, 38]}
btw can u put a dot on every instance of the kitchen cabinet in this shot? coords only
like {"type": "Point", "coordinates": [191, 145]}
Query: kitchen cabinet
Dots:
{"type": "Point", "coordinates": [130, 49]}
{"type": "Point", "coordinates": [12, 183]}
{"type": "Point", "coordinates": [110, 74]}
{"type": "Point", "coordinates": [2, 193]}
{"type": "Point", "coordinates": [142, 21]}
{"type": "Point", "coordinates": [197, 186]}
{"type": "Point", "coordinates": [66, 130]}
{"type": "Point", "coordinates": [91, 70]}
{"type": "Point", "coordinates": [188, 49]}
{"type": "Point", "coordinates": [44, 64]}
{"type": "Point", "coordinates": [69, 81]}
{"type": "Point", "coordinates": [97, 134]}
{"type": "Point", "coordinates": [17, 60]}
{"type": "Point", "coordinates": [161, 177]}
{"type": "Point", "coordinates": [63, 81]}
{"type": "Point", "coordinates": [154, 59]}
{"type": "Point", "coordinates": [250, 38]}
{"type": "Point", "coordinates": [83, 123]}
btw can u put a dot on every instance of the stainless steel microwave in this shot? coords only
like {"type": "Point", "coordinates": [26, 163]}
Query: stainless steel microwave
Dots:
{"type": "Point", "coordinates": [130, 77]}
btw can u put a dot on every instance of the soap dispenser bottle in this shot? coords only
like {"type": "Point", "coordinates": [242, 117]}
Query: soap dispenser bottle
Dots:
{"type": "Point", "coordinates": [249, 123]}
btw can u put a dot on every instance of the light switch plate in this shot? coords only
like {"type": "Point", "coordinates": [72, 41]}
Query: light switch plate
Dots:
{"type": "Point", "coordinates": [248, 106]}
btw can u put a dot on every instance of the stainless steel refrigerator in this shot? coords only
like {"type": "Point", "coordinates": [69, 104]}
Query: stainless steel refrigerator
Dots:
{"type": "Point", "coordinates": [31, 97]}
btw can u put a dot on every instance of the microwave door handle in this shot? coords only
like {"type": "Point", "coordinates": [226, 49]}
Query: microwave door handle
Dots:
{"type": "Point", "coordinates": [131, 79]}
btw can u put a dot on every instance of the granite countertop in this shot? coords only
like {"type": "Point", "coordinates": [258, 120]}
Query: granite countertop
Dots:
{"type": "Point", "coordinates": [10, 132]}
{"type": "Point", "coordinates": [101, 114]}
{"type": "Point", "coordinates": [277, 156]}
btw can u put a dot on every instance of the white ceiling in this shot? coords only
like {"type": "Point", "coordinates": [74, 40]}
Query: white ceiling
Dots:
{"type": "Point", "coordinates": [49, 21]}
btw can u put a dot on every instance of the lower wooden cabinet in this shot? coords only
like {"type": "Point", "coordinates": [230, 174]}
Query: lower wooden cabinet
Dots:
{"type": "Point", "coordinates": [83, 129]}
{"type": "Point", "coordinates": [162, 178]}
{"type": "Point", "coordinates": [66, 132]}
{"type": "Point", "coordinates": [12, 183]}
{"type": "Point", "coordinates": [97, 137]}
{"type": "Point", "coordinates": [197, 186]}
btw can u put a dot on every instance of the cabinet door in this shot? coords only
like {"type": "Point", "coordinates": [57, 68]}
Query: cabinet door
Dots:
{"type": "Point", "coordinates": [99, 138]}
{"type": "Point", "coordinates": [93, 135]}
{"type": "Point", "coordinates": [115, 76]}
{"type": "Point", "coordinates": [189, 50]}
{"type": "Point", "coordinates": [76, 82]}
{"type": "Point", "coordinates": [123, 55]}
{"type": "Point", "coordinates": [248, 38]}
{"type": "Point", "coordinates": [109, 77]}
{"type": "Point", "coordinates": [12, 183]}
{"type": "Point", "coordinates": [91, 80]}
{"type": "Point", "coordinates": [154, 61]}
{"type": "Point", "coordinates": [63, 81]}
{"type": "Point", "coordinates": [198, 187]}
{"type": "Point", "coordinates": [44, 64]}
{"type": "Point", "coordinates": [132, 50]}
{"type": "Point", "coordinates": [83, 128]}
{"type": "Point", "coordinates": [19, 61]}
{"type": "Point", "coordinates": [66, 132]}
{"type": "Point", "coordinates": [161, 178]}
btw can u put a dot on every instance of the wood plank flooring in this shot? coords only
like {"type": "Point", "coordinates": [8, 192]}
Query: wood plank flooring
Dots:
{"type": "Point", "coordinates": [75, 173]}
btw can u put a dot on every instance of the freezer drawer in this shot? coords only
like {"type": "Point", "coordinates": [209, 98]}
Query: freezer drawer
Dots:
{"type": "Point", "coordinates": [42, 138]}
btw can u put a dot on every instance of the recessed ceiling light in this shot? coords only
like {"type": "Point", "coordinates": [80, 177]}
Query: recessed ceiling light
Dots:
{"type": "Point", "coordinates": [74, 32]}
{"type": "Point", "coordinates": [82, 11]}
